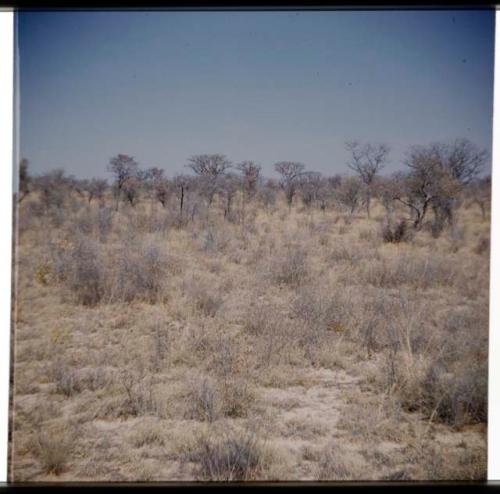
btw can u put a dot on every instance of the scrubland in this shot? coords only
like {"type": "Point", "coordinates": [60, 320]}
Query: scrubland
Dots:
{"type": "Point", "coordinates": [280, 343]}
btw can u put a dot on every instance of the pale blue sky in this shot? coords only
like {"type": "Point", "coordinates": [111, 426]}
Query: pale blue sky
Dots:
{"type": "Point", "coordinates": [262, 86]}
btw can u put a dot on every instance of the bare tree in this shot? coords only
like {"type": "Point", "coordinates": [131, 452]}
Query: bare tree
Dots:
{"type": "Point", "coordinates": [130, 188]}
{"type": "Point", "coordinates": [229, 186]}
{"type": "Point", "coordinates": [367, 161]}
{"type": "Point", "coordinates": [427, 184]}
{"type": "Point", "coordinates": [154, 178]}
{"type": "Point", "coordinates": [310, 184]}
{"type": "Point", "coordinates": [251, 174]}
{"type": "Point", "coordinates": [209, 167]}
{"type": "Point", "coordinates": [348, 193]}
{"type": "Point", "coordinates": [267, 193]}
{"type": "Point", "coordinates": [181, 185]}
{"type": "Point", "coordinates": [479, 192]}
{"type": "Point", "coordinates": [462, 159]}
{"type": "Point", "coordinates": [124, 168]}
{"type": "Point", "coordinates": [96, 188]}
{"type": "Point", "coordinates": [290, 172]}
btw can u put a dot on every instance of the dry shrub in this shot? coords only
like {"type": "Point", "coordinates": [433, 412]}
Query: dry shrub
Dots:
{"type": "Point", "coordinates": [320, 309]}
{"type": "Point", "coordinates": [204, 400]}
{"type": "Point", "coordinates": [346, 251]}
{"type": "Point", "coordinates": [205, 297]}
{"type": "Point", "coordinates": [409, 270]}
{"type": "Point", "coordinates": [335, 464]}
{"type": "Point", "coordinates": [214, 239]}
{"type": "Point", "coordinates": [274, 334]}
{"type": "Point", "coordinates": [237, 397]}
{"type": "Point", "coordinates": [457, 398]}
{"type": "Point", "coordinates": [136, 271]}
{"type": "Point", "coordinates": [290, 267]}
{"type": "Point", "coordinates": [210, 399]}
{"type": "Point", "coordinates": [54, 448]}
{"type": "Point", "coordinates": [227, 456]}
{"type": "Point", "coordinates": [396, 233]}
{"type": "Point", "coordinates": [104, 222]}
{"type": "Point", "coordinates": [140, 274]}
{"type": "Point", "coordinates": [82, 269]}
{"type": "Point", "coordinates": [66, 378]}
{"type": "Point", "coordinates": [140, 396]}
{"type": "Point", "coordinates": [453, 395]}
{"type": "Point", "coordinates": [147, 434]}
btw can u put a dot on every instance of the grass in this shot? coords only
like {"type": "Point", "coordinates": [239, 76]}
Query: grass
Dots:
{"type": "Point", "coordinates": [202, 343]}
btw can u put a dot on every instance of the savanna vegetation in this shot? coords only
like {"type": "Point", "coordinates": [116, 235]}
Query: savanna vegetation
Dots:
{"type": "Point", "coordinates": [220, 325]}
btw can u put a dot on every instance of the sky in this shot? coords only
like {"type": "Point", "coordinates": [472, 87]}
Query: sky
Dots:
{"type": "Point", "coordinates": [263, 86]}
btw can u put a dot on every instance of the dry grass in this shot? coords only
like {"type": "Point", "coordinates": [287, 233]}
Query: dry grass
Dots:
{"type": "Point", "coordinates": [274, 344]}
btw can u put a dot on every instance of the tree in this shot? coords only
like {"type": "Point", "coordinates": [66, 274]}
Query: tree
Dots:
{"type": "Point", "coordinates": [96, 188]}
{"type": "Point", "coordinates": [125, 169]}
{"type": "Point", "coordinates": [130, 189]}
{"type": "Point", "coordinates": [479, 192]}
{"type": "Point", "coordinates": [209, 167]}
{"type": "Point", "coordinates": [310, 184]}
{"type": "Point", "coordinates": [251, 173]}
{"type": "Point", "coordinates": [53, 188]}
{"type": "Point", "coordinates": [229, 187]}
{"type": "Point", "coordinates": [462, 159]}
{"type": "Point", "coordinates": [159, 185]}
{"type": "Point", "coordinates": [161, 188]}
{"type": "Point", "coordinates": [427, 184]}
{"type": "Point", "coordinates": [290, 172]}
{"type": "Point", "coordinates": [348, 193]}
{"type": "Point", "coordinates": [181, 184]}
{"type": "Point", "coordinates": [367, 161]}
{"type": "Point", "coordinates": [24, 179]}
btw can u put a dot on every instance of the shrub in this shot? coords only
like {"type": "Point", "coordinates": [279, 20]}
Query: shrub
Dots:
{"type": "Point", "coordinates": [290, 268]}
{"type": "Point", "coordinates": [335, 466]}
{"type": "Point", "coordinates": [140, 398]}
{"type": "Point", "coordinates": [457, 398]}
{"type": "Point", "coordinates": [210, 398]}
{"type": "Point", "coordinates": [319, 310]}
{"type": "Point", "coordinates": [146, 435]}
{"type": "Point", "coordinates": [228, 457]}
{"type": "Point", "coordinates": [214, 240]}
{"type": "Point", "coordinates": [53, 448]}
{"type": "Point", "coordinates": [204, 400]}
{"type": "Point", "coordinates": [140, 274]}
{"type": "Point", "coordinates": [65, 378]}
{"type": "Point", "coordinates": [81, 268]}
{"type": "Point", "coordinates": [400, 232]}
{"type": "Point", "coordinates": [342, 251]}
{"type": "Point", "coordinates": [104, 222]}
{"type": "Point", "coordinates": [237, 397]}
{"type": "Point", "coordinates": [206, 298]}
{"type": "Point", "coordinates": [407, 270]}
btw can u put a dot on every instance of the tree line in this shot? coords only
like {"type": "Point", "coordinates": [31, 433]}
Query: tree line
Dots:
{"type": "Point", "coordinates": [436, 178]}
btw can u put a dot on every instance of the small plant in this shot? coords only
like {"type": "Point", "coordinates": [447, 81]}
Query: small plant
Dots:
{"type": "Point", "coordinates": [53, 449]}
{"type": "Point", "coordinates": [400, 232]}
{"type": "Point", "coordinates": [228, 457]}
{"type": "Point", "coordinates": [65, 378]}
{"type": "Point", "coordinates": [290, 268]}
{"type": "Point", "coordinates": [204, 401]}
